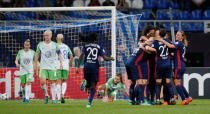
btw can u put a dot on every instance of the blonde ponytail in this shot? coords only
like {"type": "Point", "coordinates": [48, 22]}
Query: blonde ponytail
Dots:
{"type": "Point", "coordinates": [185, 41]}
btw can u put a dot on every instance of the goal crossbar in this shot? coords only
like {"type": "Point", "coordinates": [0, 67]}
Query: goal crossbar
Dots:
{"type": "Point", "coordinates": [113, 21]}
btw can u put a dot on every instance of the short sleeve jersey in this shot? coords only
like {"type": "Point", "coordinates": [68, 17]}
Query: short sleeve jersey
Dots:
{"type": "Point", "coordinates": [162, 57]}
{"type": "Point", "coordinates": [92, 52]}
{"type": "Point", "coordinates": [66, 53]}
{"type": "Point", "coordinates": [112, 87]}
{"type": "Point", "coordinates": [137, 57]}
{"type": "Point", "coordinates": [48, 55]}
{"type": "Point", "coordinates": [26, 60]}
{"type": "Point", "coordinates": [179, 55]}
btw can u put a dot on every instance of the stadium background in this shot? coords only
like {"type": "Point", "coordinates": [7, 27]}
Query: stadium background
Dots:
{"type": "Point", "coordinates": [187, 15]}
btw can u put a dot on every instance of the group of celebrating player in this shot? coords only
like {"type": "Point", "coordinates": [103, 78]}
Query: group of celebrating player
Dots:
{"type": "Point", "coordinates": [149, 66]}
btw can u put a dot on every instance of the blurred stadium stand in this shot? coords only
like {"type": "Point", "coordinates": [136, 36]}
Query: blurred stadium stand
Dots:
{"type": "Point", "coordinates": [186, 15]}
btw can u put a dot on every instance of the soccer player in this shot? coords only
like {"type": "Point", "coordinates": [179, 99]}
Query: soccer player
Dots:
{"type": "Point", "coordinates": [25, 61]}
{"type": "Point", "coordinates": [111, 87]}
{"type": "Point", "coordinates": [91, 50]}
{"type": "Point", "coordinates": [163, 65]}
{"type": "Point", "coordinates": [147, 35]}
{"type": "Point", "coordinates": [147, 32]}
{"type": "Point", "coordinates": [67, 61]}
{"type": "Point", "coordinates": [179, 64]}
{"type": "Point", "coordinates": [137, 67]}
{"type": "Point", "coordinates": [48, 49]}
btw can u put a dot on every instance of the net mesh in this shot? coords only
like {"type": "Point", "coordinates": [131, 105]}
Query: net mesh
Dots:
{"type": "Point", "coordinates": [31, 25]}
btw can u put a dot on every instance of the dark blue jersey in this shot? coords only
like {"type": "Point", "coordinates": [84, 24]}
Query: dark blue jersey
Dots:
{"type": "Point", "coordinates": [92, 52]}
{"type": "Point", "coordinates": [137, 65]}
{"type": "Point", "coordinates": [162, 56]}
{"type": "Point", "coordinates": [179, 55]}
{"type": "Point", "coordinates": [138, 57]}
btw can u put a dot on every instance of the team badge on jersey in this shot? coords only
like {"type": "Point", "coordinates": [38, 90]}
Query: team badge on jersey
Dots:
{"type": "Point", "coordinates": [48, 54]}
{"type": "Point", "coordinates": [26, 61]}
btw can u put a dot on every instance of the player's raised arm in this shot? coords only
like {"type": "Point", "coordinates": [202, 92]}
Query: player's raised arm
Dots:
{"type": "Point", "coordinates": [151, 49]}
{"type": "Point", "coordinates": [167, 43]}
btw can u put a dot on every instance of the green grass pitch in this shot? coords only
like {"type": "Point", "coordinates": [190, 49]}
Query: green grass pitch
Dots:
{"type": "Point", "coordinates": [99, 107]}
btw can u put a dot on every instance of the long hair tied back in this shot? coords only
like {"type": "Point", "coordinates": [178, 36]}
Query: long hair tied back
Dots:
{"type": "Point", "coordinates": [184, 38]}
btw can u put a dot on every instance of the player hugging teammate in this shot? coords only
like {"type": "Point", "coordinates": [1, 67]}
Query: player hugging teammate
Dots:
{"type": "Point", "coordinates": [160, 46]}
{"type": "Point", "coordinates": [149, 67]}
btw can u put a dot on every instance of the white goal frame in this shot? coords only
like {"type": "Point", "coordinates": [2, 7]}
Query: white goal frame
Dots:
{"type": "Point", "coordinates": [113, 21]}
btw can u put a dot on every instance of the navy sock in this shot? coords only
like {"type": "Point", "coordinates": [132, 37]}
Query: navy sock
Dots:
{"type": "Point", "coordinates": [152, 96]}
{"type": "Point", "coordinates": [148, 94]}
{"type": "Point", "coordinates": [185, 92]}
{"type": "Point", "coordinates": [137, 93]}
{"type": "Point", "coordinates": [132, 92]}
{"type": "Point", "coordinates": [141, 93]}
{"type": "Point", "coordinates": [170, 90]}
{"type": "Point", "coordinates": [180, 91]}
{"type": "Point", "coordinates": [92, 94]}
{"type": "Point", "coordinates": [157, 91]}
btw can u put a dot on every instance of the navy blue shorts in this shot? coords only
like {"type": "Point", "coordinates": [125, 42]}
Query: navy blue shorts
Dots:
{"type": "Point", "coordinates": [91, 75]}
{"type": "Point", "coordinates": [163, 73]}
{"type": "Point", "coordinates": [137, 72]}
{"type": "Point", "coordinates": [178, 73]}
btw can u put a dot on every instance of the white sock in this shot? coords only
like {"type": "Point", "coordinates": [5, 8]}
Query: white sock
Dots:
{"type": "Point", "coordinates": [28, 91]}
{"type": "Point", "coordinates": [53, 91]}
{"type": "Point", "coordinates": [44, 88]}
{"type": "Point", "coordinates": [23, 92]}
{"type": "Point", "coordinates": [64, 88]}
{"type": "Point", "coordinates": [59, 91]}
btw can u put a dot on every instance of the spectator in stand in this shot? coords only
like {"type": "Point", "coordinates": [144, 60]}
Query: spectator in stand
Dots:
{"type": "Point", "coordinates": [122, 6]}
{"type": "Point", "coordinates": [46, 3]}
{"type": "Point", "coordinates": [137, 4]}
{"type": "Point", "coordinates": [19, 3]}
{"type": "Point", "coordinates": [6, 3]}
{"type": "Point", "coordinates": [185, 4]}
{"type": "Point", "coordinates": [78, 3]}
{"type": "Point", "coordinates": [108, 3]}
{"type": "Point", "coordinates": [94, 3]}
{"type": "Point", "coordinates": [45, 15]}
{"type": "Point", "coordinates": [76, 57]}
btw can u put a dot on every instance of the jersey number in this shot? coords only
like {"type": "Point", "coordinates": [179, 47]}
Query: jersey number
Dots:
{"type": "Point", "coordinates": [93, 53]}
{"type": "Point", "coordinates": [65, 54]}
{"type": "Point", "coordinates": [164, 51]}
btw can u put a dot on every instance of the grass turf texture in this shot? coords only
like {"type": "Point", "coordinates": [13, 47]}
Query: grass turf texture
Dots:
{"type": "Point", "coordinates": [99, 107]}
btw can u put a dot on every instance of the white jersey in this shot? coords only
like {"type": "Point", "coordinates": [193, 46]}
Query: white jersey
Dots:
{"type": "Point", "coordinates": [66, 53]}
{"type": "Point", "coordinates": [48, 55]}
{"type": "Point", "coordinates": [26, 60]}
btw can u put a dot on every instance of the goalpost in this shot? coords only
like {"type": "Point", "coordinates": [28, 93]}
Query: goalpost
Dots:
{"type": "Point", "coordinates": [117, 35]}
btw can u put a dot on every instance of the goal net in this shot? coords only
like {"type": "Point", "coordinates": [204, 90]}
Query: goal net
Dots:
{"type": "Point", "coordinates": [117, 34]}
